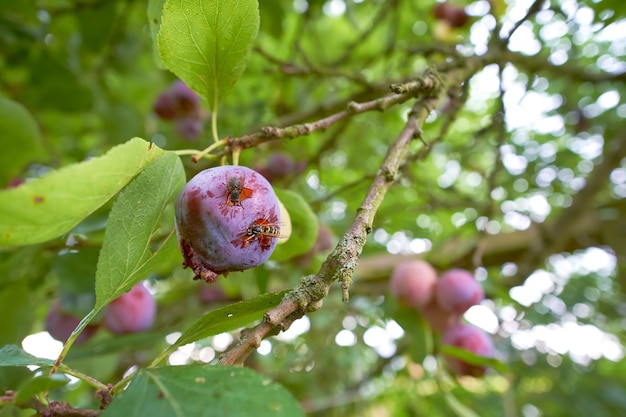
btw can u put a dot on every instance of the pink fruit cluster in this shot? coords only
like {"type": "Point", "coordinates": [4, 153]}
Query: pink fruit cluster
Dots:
{"type": "Point", "coordinates": [227, 219]}
{"type": "Point", "coordinates": [131, 312]}
{"type": "Point", "coordinates": [442, 301]}
{"type": "Point", "coordinates": [182, 106]}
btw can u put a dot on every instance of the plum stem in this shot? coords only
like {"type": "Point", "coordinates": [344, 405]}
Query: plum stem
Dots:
{"type": "Point", "coordinates": [205, 152]}
{"type": "Point", "coordinates": [88, 379]}
{"type": "Point", "coordinates": [216, 137]}
{"type": "Point", "coordinates": [236, 153]}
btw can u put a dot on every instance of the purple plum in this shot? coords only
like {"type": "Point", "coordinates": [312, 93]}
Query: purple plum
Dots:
{"type": "Point", "coordinates": [457, 291]}
{"type": "Point", "coordinates": [413, 283]}
{"type": "Point", "coordinates": [131, 312]}
{"type": "Point", "coordinates": [178, 101]}
{"type": "Point", "coordinates": [189, 128]}
{"type": "Point", "coordinates": [60, 325]}
{"type": "Point", "coordinates": [472, 339]}
{"type": "Point", "coordinates": [227, 219]}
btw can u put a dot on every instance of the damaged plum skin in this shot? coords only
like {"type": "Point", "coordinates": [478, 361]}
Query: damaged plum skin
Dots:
{"type": "Point", "coordinates": [213, 233]}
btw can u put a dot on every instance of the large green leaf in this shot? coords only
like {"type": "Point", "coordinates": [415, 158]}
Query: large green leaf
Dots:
{"type": "Point", "coordinates": [228, 318]}
{"type": "Point", "coordinates": [202, 391]}
{"type": "Point", "coordinates": [12, 355]}
{"type": "Point", "coordinates": [304, 226]}
{"type": "Point", "coordinates": [50, 206]}
{"type": "Point", "coordinates": [127, 256]}
{"type": "Point", "coordinates": [472, 358]}
{"type": "Point", "coordinates": [206, 43]}
{"type": "Point", "coordinates": [21, 141]}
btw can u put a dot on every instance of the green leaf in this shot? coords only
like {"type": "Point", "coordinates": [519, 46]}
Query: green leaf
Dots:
{"type": "Point", "coordinates": [471, 358]}
{"type": "Point", "coordinates": [12, 377]}
{"type": "Point", "coordinates": [52, 205]}
{"type": "Point", "coordinates": [127, 256]}
{"type": "Point", "coordinates": [206, 43]}
{"type": "Point", "coordinates": [12, 355]}
{"type": "Point", "coordinates": [39, 384]}
{"type": "Point", "coordinates": [21, 141]}
{"type": "Point", "coordinates": [228, 318]}
{"type": "Point", "coordinates": [459, 409]}
{"type": "Point", "coordinates": [202, 391]}
{"type": "Point", "coordinates": [16, 309]}
{"type": "Point", "coordinates": [304, 226]}
{"type": "Point", "coordinates": [155, 9]}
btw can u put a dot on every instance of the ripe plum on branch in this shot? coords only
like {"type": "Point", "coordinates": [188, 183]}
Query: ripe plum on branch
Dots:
{"type": "Point", "coordinates": [458, 290]}
{"type": "Point", "coordinates": [227, 219]}
{"type": "Point", "coordinates": [131, 312]}
{"type": "Point", "coordinates": [472, 339]}
{"type": "Point", "coordinates": [60, 324]}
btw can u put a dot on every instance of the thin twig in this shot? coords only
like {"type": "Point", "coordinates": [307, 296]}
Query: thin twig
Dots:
{"type": "Point", "coordinates": [296, 70]}
{"type": "Point", "coordinates": [533, 9]}
{"type": "Point", "coordinates": [269, 133]}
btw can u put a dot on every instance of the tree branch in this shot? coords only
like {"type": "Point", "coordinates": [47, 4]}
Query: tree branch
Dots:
{"type": "Point", "coordinates": [61, 409]}
{"type": "Point", "coordinates": [341, 263]}
{"type": "Point", "coordinates": [532, 10]}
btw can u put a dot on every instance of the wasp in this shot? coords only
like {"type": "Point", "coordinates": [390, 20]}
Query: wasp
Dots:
{"type": "Point", "coordinates": [236, 192]}
{"type": "Point", "coordinates": [263, 231]}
